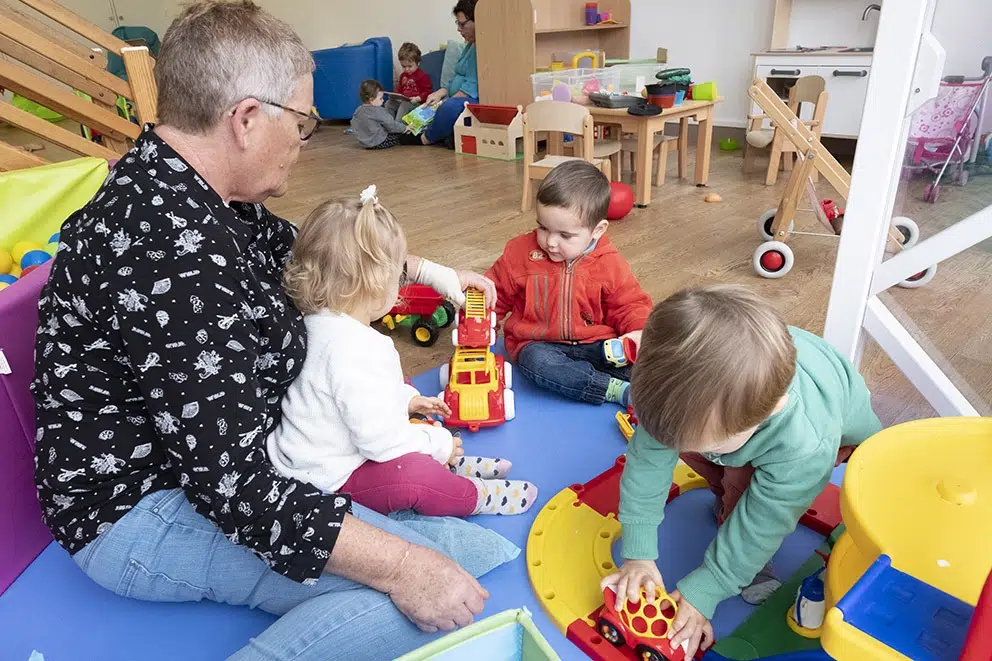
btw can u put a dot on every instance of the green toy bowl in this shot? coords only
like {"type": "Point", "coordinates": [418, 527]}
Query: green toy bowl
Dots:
{"type": "Point", "coordinates": [729, 144]}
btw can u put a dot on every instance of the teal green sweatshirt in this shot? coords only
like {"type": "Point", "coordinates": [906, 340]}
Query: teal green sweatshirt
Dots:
{"type": "Point", "coordinates": [793, 453]}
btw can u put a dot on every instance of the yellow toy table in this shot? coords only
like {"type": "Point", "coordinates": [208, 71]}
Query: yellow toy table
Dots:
{"type": "Point", "coordinates": [921, 494]}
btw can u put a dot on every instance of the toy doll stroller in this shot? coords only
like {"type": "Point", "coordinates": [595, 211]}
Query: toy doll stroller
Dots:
{"type": "Point", "coordinates": [944, 130]}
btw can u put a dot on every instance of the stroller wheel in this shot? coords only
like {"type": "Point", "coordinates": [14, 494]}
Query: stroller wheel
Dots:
{"type": "Point", "coordinates": [772, 259]}
{"type": "Point", "coordinates": [931, 193]}
{"type": "Point", "coordinates": [910, 230]}
{"type": "Point", "coordinates": [963, 178]}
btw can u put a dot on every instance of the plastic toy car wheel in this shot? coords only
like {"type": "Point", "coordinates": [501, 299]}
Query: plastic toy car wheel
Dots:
{"type": "Point", "coordinates": [424, 332]}
{"type": "Point", "coordinates": [454, 336]}
{"type": "Point", "coordinates": [931, 193]}
{"type": "Point", "coordinates": [509, 406]}
{"type": "Point", "coordinates": [610, 633]}
{"type": "Point", "coordinates": [920, 279]}
{"type": "Point", "coordinates": [492, 337]}
{"type": "Point", "coordinates": [492, 318]}
{"type": "Point", "coordinates": [508, 374]}
{"type": "Point", "coordinates": [444, 375]}
{"type": "Point", "coordinates": [648, 654]}
{"type": "Point", "coordinates": [765, 225]}
{"type": "Point", "coordinates": [909, 229]}
{"type": "Point", "coordinates": [451, 312]}
{"type": "Point", "coordinates": [772, 259]}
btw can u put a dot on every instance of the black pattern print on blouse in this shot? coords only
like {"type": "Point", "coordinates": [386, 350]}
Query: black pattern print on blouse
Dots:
{"type": "Point", "coordinates": [165, 343]}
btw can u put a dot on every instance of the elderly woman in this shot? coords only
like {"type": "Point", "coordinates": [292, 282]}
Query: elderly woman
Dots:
{"type": "Point", "coordinates": [165, 344]}
{"type": "Point", "coordinates": [464, 86]}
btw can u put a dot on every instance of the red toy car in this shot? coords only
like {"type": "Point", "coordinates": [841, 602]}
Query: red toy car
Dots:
{"type": "Point", "coordinates": [423, 310]}
{"type": "Point", "coordinates": [643, 626]}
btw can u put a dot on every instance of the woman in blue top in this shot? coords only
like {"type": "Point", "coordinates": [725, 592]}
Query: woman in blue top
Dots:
{"type": "Point", "coordinates": [464, 86]}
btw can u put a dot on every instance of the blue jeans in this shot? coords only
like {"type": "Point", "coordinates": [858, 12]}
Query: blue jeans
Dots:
{"type": "Point", "coordinates": [447, 114]}
{"type": "Point", "coordinates": [577, 371]}
{"type": "Point", "coordinates": [162, 550]}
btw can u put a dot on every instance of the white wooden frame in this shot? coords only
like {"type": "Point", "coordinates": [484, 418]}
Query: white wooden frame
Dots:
{"type": "Point", "coordinates": [895, 91]}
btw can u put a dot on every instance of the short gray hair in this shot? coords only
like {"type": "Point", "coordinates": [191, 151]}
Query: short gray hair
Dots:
{"type": "Point", "coordinates": [216, 54]}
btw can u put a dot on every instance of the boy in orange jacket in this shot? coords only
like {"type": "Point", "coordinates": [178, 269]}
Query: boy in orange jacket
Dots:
{"type": "Point", "coordinates": [567, 289]}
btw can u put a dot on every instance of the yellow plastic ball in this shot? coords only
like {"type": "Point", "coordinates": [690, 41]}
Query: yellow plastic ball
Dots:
{"type": "Point", "coordinates": [15, 271]}
{"type": "Point", "coordinates": [5, 261]}
{"type": "Point", "coordinates": [3, 285]}
{"type": "Point", "coordinates": [52, 248]}
{"type": "Point", "coordinates": [23, 247]}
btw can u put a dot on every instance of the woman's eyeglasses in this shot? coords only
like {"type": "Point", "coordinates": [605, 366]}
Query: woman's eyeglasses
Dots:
{"type": "Point", "coordinates": [461, 24]}
{"type": "Point", "coordinates": [310, 120]}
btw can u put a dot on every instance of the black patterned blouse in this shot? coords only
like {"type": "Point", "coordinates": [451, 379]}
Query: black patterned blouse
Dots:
{"type": "Point", "coordinates": [165, 342]}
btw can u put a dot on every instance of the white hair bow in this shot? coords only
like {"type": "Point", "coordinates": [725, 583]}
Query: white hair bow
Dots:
{"type": "Point", "coordinates": [368, 195]}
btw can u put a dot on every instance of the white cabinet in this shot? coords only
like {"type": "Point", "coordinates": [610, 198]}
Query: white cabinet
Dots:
{"type": "Point", "coordinates": [847, 88]}
{"type": "Point", "coordinates": [846, 78]}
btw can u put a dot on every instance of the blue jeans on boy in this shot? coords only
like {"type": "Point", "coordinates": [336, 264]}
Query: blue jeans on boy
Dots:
{"type": "Point", "coordinates": [163, 550]}
{"type": "Point", "coordinates": [443, 124]}
{"type": "Point", "coordinates": [577, 371]}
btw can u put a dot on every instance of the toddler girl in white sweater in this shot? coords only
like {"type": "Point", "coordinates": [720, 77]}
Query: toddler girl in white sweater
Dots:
{"type": "Point", "coordinates": [346, 418]}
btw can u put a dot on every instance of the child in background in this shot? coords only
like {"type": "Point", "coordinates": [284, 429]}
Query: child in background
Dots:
{"type": "Point", "coordinates": [373, 125]}
{"type": "Point", "coordinates": [414, 82]}
{"type": "Point", "coordinates": [346, 418]}
{"type": "Point", "coordinates": [567, 289]}
{"type": "Point", "coordinates": [762, 410]}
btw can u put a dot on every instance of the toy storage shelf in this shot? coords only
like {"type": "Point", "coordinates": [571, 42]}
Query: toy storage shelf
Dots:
{"type": "Point", "coordinates": [515, 38]}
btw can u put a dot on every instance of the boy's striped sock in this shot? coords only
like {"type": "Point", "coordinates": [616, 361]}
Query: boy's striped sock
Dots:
{"type": "Point", "coordinates": [618, 392]}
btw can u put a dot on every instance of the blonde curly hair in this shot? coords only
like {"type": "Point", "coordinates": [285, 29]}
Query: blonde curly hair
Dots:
{"type": "Point", "coordinates": [348, 256]}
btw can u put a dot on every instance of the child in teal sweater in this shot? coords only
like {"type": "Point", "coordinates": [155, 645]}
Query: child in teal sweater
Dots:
{"type": "Point", "coordinates": [763, 411]}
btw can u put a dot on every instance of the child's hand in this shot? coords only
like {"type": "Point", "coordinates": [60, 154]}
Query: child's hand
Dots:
{"type": "Point", "coordinates": [415, 99]}
{"type": "Point", "coordinates": [456, 449]}
{"type": "Point", "coordinates": [633, 575]}
{"type": "Point", "coordinates": [690, 627]}
{"type": "Point", "coordinates": [472, 279]}
{"type": "Point", "coordinates": [428, 406]}
{"type": "Point", "coordinates": [635, 337]}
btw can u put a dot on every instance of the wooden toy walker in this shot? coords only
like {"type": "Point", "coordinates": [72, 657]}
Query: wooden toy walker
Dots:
{"type": "Point", "coordinates": [774, 258]}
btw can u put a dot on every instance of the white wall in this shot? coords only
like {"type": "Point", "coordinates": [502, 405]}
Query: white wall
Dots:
{"type": "Point", "coordinates": [831, 23]}
{"type": "Point", "coordinates": [714, 38]}
{"type": "Point", "coordinates": [964, 28]}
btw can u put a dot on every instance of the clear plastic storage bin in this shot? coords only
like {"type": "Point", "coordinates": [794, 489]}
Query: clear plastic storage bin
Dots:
{"type": "Point", "coordinates": [580, 82]}
{"type": "Point", "coordinates": [631, 78]}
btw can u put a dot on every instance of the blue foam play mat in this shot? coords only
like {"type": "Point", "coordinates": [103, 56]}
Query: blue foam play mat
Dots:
{"type": "Point", "coordinates": [55, 609]}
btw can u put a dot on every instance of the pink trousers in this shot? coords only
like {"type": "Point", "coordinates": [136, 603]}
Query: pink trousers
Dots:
{"type": "Point", "coordinates": [413, 481]}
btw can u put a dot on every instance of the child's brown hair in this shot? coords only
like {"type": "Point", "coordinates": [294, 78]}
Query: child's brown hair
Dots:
{"type": "Point", "coordinates": [580, 187]}
{"type": "Point", "coordinates": [346, 255]}
{"type": "Point", "coordinates": [369, 89]}
{"type": "Point", "coordinates": [714, 361]}
{"type": "Point", "coordinates": [409, 52]}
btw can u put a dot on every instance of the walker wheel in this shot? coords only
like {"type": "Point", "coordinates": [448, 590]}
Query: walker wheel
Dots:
{"type": "Point", "coordinates": [765, 225]}
{"type": "Point", "coordinates": [931, 193]}
{"type": "Point", "coordinates": [909, 230]}
{"type": "Point", "coordinates": [772, 259]}
{"type": "Point", "coordinates": [920, 279]}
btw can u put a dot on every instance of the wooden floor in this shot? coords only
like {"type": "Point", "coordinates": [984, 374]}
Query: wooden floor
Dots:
{"type": "Point", "coordinates": [461, 210]}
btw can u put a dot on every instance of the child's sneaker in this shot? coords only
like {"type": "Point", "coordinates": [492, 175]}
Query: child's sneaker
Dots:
{"type": "Point", "coordinates": [504, 496]}
{"type": "Point", "coordinates": [762, 587]}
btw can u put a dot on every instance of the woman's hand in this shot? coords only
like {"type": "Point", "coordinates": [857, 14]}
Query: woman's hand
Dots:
{"type": "Point", "coordinates": [472, 279]}
{"type": "Point", "coordinates": [456, 449]}
{"type": "Point", "coordinates": [435, 97]}
{"type": "Point", "coordinates": [633, 575]}
{"type": "Point", "coordinates": [690, 627]}
{"type": "Point", "coordinates": [434, 592]}
{"type": "Point", "coordinates": [428, 406]}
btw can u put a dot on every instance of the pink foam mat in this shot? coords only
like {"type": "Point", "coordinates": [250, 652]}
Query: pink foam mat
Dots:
{"type": "Point", "coordinates": [22, 533]}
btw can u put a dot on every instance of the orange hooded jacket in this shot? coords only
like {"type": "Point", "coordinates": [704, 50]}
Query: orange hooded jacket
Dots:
{"type": "Point", "coordinates": [596, 297]}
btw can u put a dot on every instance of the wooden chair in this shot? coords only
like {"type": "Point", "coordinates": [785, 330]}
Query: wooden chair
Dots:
{"type": "Point", "coordinates": [663, 146]}
{"type": "Point", "coordinates": [36, 53]}
{"type": "Point", "coordinates": [809, 89]}
{"type": "Point", "coordinates": [556, 117]}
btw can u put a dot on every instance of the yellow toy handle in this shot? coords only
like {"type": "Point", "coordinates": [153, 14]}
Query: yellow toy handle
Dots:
{"type": "Point", "coordinates": [592, 56]}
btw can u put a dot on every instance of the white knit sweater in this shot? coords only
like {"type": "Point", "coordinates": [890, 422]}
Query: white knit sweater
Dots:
{"type": "Point", "coordinates": [348, 406]}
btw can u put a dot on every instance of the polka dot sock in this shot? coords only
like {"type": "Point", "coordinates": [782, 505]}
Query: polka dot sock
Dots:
{"type": "Point", "coordinates": [482, 467]}
{"type": "Point", "coordinates": [504, 496]}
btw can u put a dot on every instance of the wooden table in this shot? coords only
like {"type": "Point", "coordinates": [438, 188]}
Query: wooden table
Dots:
{"type": "Point", "coordinates": [646, 126]}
